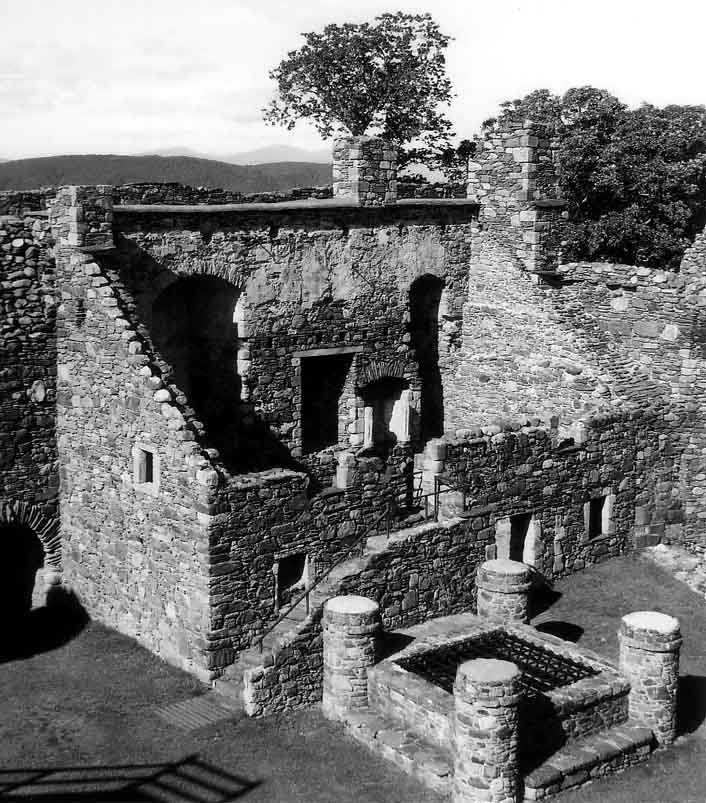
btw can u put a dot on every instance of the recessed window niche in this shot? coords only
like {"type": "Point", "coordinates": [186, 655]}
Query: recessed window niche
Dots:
{"type": "Point", "coordinates": [145, 468]}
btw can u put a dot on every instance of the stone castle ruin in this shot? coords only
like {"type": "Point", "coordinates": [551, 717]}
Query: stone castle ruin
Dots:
{"type": "Point", "coordinates": [215, 417]}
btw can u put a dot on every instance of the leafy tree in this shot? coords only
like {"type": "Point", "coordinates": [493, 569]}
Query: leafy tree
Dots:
{"type": "Point", "coordinates": [387, 77]}
{"type": "Point", "coordinates": [454, 161]}
{"type": "Point", "coordinates": [634, 180]}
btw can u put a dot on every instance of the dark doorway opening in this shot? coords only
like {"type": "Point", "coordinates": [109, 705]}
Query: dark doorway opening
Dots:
{"type": "Point", "coordinates": [595, 517]}
{"type": "Point", "coordinates": [193, 330]}
{"type": "Point", "coordinates": [424, 299]}
{"type": "Point", "coordinates": [291, 576]}
{"type": "Point", "coordinates": [380, 396]}
{"type": "Point", "coordinates": [22, 557]}
{"type": "Point", "coordinates": [519, 525]}
{"type": "Point", "coordinates": [323, 381]}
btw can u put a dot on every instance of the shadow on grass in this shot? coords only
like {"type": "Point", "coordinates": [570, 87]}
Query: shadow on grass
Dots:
{"type": "Point", "coordinates": [190, 780]}
{"type": "Point", "coordinates": [563, 630]}
{"type": "Point", "coordinates": [542, 595]}
{"type": "Point", "coordinates": [44, 629]}
{"type": "Point", "coordinates": [691, 703]}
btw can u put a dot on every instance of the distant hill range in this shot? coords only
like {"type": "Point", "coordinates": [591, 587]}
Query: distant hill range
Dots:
{"type": "Point", "coordinates": [29, 174]}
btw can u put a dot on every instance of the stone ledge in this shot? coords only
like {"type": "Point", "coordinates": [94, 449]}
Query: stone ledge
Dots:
{"type": "Point", "coordinates": [412, 754]}
{"type": "Point", "coordinates": [585, 759]}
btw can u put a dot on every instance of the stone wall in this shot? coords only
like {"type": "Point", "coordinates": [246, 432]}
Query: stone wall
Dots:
{"type": "Point", "coordinates": [135, 550]}
{"type": "Point", "coordinates": [310, 283]}
{"type": "Point", "coordinates": [429, 570]}
{"type": "Point", "coordinates": [29, 474]}
{"type": "Point", "coordinates": [365, 170]}
{"type": "Point", "coordinates": [513, 177]}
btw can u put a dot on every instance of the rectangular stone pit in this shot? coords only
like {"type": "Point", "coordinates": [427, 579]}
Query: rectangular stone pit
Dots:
{"type": "Point", "coordinates": [568, 693]}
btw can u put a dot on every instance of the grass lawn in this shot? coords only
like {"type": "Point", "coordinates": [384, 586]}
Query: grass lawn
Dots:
{"type": "Point", "coordinates": [91, 703]}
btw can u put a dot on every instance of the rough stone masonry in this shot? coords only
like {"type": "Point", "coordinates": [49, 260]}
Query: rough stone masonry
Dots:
{"type": "Point", "coordinates": [204, 407]}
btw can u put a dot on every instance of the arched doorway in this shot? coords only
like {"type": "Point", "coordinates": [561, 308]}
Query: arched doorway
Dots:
{"type": "Point", "coordinates": [194, 329]}
{"type": "Point", "coordinates": [22, 557]}
{"type": "Point", "coordinates": [424, 300]}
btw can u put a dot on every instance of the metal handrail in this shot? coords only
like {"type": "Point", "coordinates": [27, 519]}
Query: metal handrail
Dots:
{"type": "Point", "coordinates": [305, 595]}
{"type": "Point", "coordinates": [383, 516]}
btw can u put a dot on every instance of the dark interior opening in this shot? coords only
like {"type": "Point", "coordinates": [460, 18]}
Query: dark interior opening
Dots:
{"type": "Point", "coordinates": [146, 466]}
{"type": "Point", "coordinates": [424, 299]}
{"type": "Point", "coordinates": [290, 576]}
{"type": "Point", "coordinates": [194, 332]}
{"type": "Point", "coordinates": [519, 524]}
{"type": "Point", "coordinates": [381, 396]}
{"type": "Point", "coordinates": [23, 555]}
{"type": "Point", "coordinates": [595, 517]}
{"type": "Point", "coordinates": [323, 380]}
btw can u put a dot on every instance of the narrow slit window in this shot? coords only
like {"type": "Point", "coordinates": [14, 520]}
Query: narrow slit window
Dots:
{"type": "Point", "coordinates": [146, 466]}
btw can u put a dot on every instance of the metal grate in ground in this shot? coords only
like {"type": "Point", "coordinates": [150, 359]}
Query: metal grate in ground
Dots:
{"type": "Point", "coordinates": [196, 712]}
{"type": "Point", "coordinates": [542, 670]}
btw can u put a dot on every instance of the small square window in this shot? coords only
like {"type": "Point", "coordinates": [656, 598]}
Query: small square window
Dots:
{"type": "Point", "coordinates": [146, 468]}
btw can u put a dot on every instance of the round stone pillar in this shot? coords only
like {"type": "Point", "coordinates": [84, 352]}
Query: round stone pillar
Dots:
{"type": "Point", "coordinates": [350, 628]}
{"type": "Point", "coordinates": [485, 740]}
{"type": "Point", "coordinates": [649, 658]}
{"type": "Point", "coordinates": [503, 590]}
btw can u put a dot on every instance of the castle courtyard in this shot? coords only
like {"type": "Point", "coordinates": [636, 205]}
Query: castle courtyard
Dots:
{"type": "Point", "coordinates": [86, 720]}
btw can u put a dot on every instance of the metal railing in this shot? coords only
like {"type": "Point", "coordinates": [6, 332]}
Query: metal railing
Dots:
{"type": "Point", "coordinates": [306, 594]}
{"type": "Point", "coordinates": [441, 485]}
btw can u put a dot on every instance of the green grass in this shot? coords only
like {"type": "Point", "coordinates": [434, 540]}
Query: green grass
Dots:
{"type": "Point", "coordinates": [595, 600]}
{"type": "Point", "coordinates": [92, 702]}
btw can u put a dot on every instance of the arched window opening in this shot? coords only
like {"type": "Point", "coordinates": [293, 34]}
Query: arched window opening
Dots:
{"type": "Point", "coordinates": [424, 300]}
{"type": "Point", "coordinates": [195, 330]}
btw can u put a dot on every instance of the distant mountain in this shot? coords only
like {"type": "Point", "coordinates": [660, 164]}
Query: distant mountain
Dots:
{"type": "Point", "coordinates": [27, 174]}
{"type": "Point", "coordinates": [266, 154]}
{"type": "Point", "coordinates": [277, 153]}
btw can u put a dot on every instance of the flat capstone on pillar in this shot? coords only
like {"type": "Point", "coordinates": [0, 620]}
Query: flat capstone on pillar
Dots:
{"type": "Point", "coordinates": [503, 590]}
{"type": "Point", "coordinates": [350, 628]}
{"type": "Point", "coordinates": [649, 658]}
{"type": "Point", "coordinates": [485, 732]}
{"type": "Point", "coordinates": [365, 170]}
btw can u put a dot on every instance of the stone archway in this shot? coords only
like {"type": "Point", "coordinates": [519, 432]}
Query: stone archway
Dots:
{"type": "Point", "coordinates": [30, 546]}
{"type": "Point", "coordinates": [14, 512]}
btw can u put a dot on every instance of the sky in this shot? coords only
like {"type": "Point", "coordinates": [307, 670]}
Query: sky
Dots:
{"type": "Point", "coordinates": [136, 76]}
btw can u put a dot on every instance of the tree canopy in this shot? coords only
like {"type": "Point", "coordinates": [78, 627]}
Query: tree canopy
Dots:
{"type": "Point", "coordinates": [386, 78]}
{"type": "Point", "coordinates": [634, 180]}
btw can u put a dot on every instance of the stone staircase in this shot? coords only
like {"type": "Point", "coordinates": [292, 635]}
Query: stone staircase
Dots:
{"type": "Point", "coordinates": [409, 722]}
{"type": "Point", "coordinates": [238, 680]}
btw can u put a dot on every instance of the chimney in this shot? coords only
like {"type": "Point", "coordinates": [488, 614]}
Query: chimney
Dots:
{"type": "Point", "coordinates": [365, 170]}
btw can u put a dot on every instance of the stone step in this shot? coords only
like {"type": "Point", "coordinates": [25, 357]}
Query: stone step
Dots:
{"type": "Point", "coordinates": [583, 760]}
{"type": "Point", "coordinates": [414, 755]}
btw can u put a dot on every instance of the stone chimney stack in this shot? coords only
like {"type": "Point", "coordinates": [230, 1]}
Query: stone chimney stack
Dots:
{"type": "Point", "coordinates": [365, 170]}
{"type": "Point", "coordinates": [513, 177]}
{"type": "Point", "coordinates": [82, 217]}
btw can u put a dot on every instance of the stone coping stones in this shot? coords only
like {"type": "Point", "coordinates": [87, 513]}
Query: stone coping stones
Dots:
{"type": "Point", "coordinates": [657, 630]}
{"type": "Point", "coordinates": [488, 671]}
{"type": "Point", "coordinates": [351, 604]}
